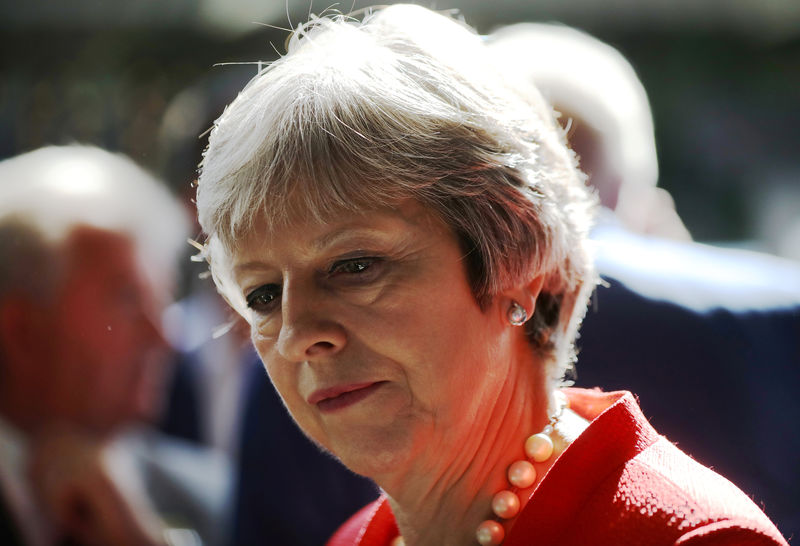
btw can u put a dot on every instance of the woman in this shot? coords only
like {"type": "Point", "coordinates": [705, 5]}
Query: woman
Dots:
{"type": "Point", "coordinates": [405, 232]}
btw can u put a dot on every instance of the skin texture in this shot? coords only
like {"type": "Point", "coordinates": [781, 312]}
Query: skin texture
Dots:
{"type": "Point", "coordinates": [382, 299]}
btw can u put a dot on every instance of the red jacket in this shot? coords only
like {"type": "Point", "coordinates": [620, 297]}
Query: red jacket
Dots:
{"type": "Point", "coordinates": [618, 484]}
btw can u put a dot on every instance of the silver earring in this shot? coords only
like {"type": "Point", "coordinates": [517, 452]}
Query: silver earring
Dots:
{"type": "Point", "coordinates": [517, 315]}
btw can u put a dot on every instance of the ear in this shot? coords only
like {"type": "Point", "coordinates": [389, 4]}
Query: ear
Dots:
{"type": "Point", "coordinates": [525, 295]}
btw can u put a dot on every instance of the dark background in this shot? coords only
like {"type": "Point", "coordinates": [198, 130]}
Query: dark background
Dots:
{"type": "Point", "coordinates": [142, 77]}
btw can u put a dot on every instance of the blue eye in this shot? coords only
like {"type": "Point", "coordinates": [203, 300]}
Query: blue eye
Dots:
{"type": "Point", "coordinates": [264, 297]}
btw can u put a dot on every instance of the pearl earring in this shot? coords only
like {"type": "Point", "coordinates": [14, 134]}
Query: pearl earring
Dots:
{"type": "Point", "coordinates": [517, 315]}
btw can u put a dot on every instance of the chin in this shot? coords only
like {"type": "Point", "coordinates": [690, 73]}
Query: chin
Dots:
{"type": "Point", "coordinates": [374, 453]}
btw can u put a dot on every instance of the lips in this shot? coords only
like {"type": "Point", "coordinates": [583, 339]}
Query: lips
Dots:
{"type": "Point", "coordinates": [342, 396]}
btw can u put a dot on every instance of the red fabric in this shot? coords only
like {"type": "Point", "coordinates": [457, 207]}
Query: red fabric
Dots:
{"type": "Point", "coordinates": [618, 484]}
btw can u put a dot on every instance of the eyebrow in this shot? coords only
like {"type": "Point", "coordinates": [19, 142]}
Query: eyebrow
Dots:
{"type": "Point", "coordinates": [320, 243]}
{"type": "Point", "coordinates": [329, 239]}
{"type": "Point", "coordinates": [250, 266]}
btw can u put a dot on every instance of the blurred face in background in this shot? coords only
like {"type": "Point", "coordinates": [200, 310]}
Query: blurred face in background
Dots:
{"type": "Point", "coordinates": [102, 354]}
{"type": "Point", "coordinates": [593, 156]}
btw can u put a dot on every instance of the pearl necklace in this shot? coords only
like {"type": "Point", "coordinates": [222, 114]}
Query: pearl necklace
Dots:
{"type": "Point", "coordinates": [521, 475]}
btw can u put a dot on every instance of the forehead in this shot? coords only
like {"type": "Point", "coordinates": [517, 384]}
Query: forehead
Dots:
{"type": "Point", "coordinates": [311, 234]}
{"type": "Point", "coordinates": [95, 255]}
{"type": "Point", "coordinates": [92, 246]}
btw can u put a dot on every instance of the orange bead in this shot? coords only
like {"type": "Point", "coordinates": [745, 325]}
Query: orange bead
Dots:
{"type": "Point", "coordinates": [505, 504]}
{"type": "Point", "coordinates": [539, 447]}
{"type": "Point", "coordinates": [521, 474]}
{"type": "Point", "coordinates": [490, 533]}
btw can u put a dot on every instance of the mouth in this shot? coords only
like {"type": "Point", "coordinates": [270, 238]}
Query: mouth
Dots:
{"type": "Point", "coordinates": [342, 396]}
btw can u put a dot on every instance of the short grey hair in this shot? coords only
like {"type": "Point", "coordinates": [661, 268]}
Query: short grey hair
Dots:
{"type": "Point", "coordinates": [47, 193]}
{"type": "Point", "coordinates": [406, 104]}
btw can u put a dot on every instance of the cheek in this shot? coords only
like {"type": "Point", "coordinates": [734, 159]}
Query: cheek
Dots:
{"type": "Point", "coordinates": [451, 344]}
{"type": "Point", "coordinates": [95, 330]}
{"type": "Point", "coordinates": [285, 378]}
{"type": "Point", "coordinates": [282, 374]}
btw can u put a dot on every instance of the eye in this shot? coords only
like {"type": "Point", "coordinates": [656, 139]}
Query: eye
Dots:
{"type": "Point", "coordinates": [357, 270]}
{"type": "Point", "coordinates": [354, 266]}
{"type": "Point", "coordinates": [264, 298]}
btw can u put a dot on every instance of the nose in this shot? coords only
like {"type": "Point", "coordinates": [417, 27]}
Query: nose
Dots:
{"type": "Point", "coordinates": [309, 329]}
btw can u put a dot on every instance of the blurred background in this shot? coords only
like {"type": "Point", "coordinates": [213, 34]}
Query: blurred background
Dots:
{"type": "Point", "coordinates": [147, 77]}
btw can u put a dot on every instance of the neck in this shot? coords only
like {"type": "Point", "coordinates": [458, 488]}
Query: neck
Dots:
{"type": "Point", "coordinates": [439, 491]}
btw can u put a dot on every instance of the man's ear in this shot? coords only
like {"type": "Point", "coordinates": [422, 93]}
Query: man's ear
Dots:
{"type": "Point", "coordinates": [524, 295]}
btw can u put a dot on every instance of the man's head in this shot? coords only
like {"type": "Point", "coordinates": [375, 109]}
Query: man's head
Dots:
{"type": "Point", "coordinates": [605, 109]}
{"type": "Point", "coordinates": [87, 248]}
{"type": "Point", "coordinates": [593, 85]}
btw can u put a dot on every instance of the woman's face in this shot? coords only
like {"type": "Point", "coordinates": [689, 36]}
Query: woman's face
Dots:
{"type": "Point", "coordinates": [371, 334]}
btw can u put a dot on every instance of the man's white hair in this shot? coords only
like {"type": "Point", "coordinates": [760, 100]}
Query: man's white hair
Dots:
{"type": "Point", "coordinates": [46, 193]}
{"type": "Point", "coordinates": [591, 80]}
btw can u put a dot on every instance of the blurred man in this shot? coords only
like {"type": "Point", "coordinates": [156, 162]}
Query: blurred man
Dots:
{"type": "Point", "coordinates": [604, 108]}
{"type": "Point", "coordinates": [717, 328]}
{"type": "Point", "coordinates": [88, 243]}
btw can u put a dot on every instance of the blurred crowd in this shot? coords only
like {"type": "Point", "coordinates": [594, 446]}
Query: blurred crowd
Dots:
{"type": "Point", "coordinates": [133, 409]}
